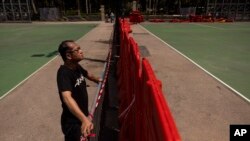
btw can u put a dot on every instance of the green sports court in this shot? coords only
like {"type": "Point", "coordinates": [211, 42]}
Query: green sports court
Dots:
{"type": "Point", "coordinates": [222, 49]}
{"type": "Point", "coordinates": [24, 48]}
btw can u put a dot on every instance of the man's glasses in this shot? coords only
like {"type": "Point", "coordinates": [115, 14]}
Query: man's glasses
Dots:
{"type": "Point", "coordinates": [74, 50]}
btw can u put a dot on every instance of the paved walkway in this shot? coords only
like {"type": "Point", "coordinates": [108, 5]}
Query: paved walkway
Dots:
{"type": "Point", "coordinates": [32, 111]}
{"type": "Point", "coordinates": [202, 107]}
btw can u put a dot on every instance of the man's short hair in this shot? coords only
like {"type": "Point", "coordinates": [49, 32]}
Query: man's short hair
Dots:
{"type": "Point", "coordinates": [63, 48]}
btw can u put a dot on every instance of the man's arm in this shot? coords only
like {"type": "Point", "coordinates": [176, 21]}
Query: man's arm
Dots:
{"type": "Point", "coordinates": [93, 78]}
{"type": "Point", "coordinates": [87, 126]}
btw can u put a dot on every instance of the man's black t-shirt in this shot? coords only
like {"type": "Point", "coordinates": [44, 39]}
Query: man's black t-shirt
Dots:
{"type": "Point", "coordinates": [74, 81]}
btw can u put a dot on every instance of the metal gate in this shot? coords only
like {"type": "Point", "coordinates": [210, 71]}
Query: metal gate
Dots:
{"type": "Point", "coordinates": [15, 11]}
{"type": "Point", "coordinates": [238, 10]}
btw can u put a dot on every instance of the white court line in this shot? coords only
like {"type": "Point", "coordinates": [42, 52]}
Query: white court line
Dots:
{"type": "Point", "coordinates": [26, 78]}
{"type": "Point", "coordinates": [203, 25]}
{"type": "Point", "coordinates": [232, 89]}
{"type": "Point", "coordinates": [37, 71]}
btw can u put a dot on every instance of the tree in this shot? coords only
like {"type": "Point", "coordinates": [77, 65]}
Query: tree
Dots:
{"type": "Point", "coordinates": [34, 7]}
{"type": "Point", "coordinates": [78, 8]}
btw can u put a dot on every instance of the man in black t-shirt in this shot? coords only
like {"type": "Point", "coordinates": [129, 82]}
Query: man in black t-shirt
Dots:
{"type": "Point", "coordinates": [73, 94]}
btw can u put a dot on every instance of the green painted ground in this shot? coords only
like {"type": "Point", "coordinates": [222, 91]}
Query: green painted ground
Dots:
{"type": "Point", "coordinates": [26, 47]}
{"type": "Point", "coordinates": [221, 48]}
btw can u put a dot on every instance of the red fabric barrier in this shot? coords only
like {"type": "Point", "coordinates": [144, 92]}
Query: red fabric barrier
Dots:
{"type": "Point", "coordinates": [144, 114]}
{"type": "Point", "coordinates": [128, 87]}
{"type": "Point", "coordinates": [123, 73]}
{"type": "Point", "coordinates": [165, 129]}
{"type": "Point", "coordinates": [136, 17]}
